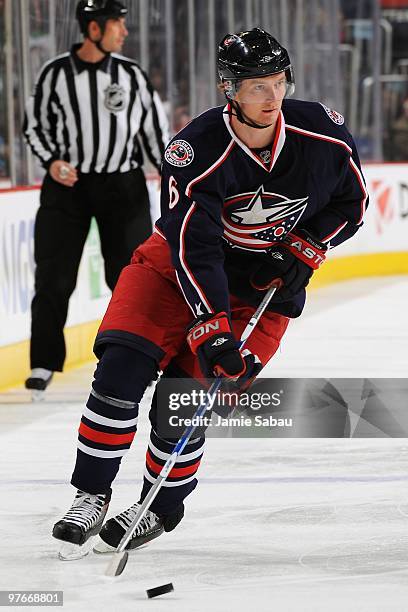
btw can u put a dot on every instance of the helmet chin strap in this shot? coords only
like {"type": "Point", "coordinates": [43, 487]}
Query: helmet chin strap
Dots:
{"type": "Point", "coordinates": [98, 43]}
{"type": "Point", "coordinates": [243, 118]}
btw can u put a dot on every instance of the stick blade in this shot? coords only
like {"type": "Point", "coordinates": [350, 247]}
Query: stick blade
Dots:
{"type": "Point", "coordinates": [117, 564]}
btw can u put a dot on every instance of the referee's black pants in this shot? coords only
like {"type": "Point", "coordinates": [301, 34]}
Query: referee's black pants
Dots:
{"type": "Point", "coordinates": [120, 204]}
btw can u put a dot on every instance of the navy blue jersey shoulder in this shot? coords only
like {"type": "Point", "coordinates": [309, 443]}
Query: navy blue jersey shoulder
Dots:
{"type": "Point", "coordinates": [197, 146]}
{"type": "Point", "coordinates": [317, 118]}
{"type": "Point", "coordinates": [204, 127]}
{"type": "Point", "coordinates": [224, 206]}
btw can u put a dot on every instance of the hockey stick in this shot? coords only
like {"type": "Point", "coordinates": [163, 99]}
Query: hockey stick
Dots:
{"type": "Point", "coordinates": [120, 556]}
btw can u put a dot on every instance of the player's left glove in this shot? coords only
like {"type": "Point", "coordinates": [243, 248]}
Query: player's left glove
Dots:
{"type": "Point", "coordinates": [293, 263]}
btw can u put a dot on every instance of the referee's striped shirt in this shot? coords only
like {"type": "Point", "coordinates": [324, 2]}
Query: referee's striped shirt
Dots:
{"type": "Point", "coordinates": [98, 117]}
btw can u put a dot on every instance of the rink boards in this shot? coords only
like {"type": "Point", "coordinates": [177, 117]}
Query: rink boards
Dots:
{"type": "Point", "coordinates": [381, 249]}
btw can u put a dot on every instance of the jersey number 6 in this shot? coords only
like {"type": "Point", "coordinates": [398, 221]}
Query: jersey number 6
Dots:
{"type": "Point", "coordinates": [174, 195]}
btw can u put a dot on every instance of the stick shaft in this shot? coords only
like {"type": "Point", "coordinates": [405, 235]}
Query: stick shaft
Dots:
{"type": "Point", "coordinates": [185, 437]}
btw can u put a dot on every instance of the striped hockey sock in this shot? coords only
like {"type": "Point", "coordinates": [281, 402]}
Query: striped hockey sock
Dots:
{"type": "Point", "coordinates": [180, 482]}
{"type": "Point", "coordinates": [106, 431]}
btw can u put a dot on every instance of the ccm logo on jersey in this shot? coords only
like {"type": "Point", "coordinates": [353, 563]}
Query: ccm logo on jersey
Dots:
{"type": "Point", "coordinates": [310, 251]}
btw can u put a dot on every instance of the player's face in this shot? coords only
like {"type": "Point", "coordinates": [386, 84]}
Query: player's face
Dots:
{"type": "Point", "coordinates": [261, 98]}
{"type": "Point", "coordinates": [115, 35]}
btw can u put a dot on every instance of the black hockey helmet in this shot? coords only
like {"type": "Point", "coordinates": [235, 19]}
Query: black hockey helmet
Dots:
{"type": "Point", "coordinates": [252, 54]}
{"type": "Point", "coordinates": [99, 11]}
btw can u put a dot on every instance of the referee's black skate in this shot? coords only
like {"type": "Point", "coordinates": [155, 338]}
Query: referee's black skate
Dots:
{"type": "Point", "coordinates": [38, 382]}
{"type": "Point", "coordinates": [83, 520]}
{"type": "Point", "coordinates": [150, 527]}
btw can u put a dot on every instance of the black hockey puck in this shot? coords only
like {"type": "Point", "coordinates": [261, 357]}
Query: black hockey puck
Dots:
{"type": "Point", "coordinates": [160, 590]}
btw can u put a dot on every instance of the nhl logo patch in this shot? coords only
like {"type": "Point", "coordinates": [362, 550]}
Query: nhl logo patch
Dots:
{"type": "Point", "coordinates": [114, 98]}
{"type": "Point", "coordinates": [265, 156]}
{"type": "Point", "coordinates": [179, 153]}
{"type": "Point", "coordinates": [334, 115]}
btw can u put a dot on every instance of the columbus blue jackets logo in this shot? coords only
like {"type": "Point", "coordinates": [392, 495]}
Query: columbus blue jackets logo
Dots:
{"type": "Point", "coordinates": [179, 153]}
{"type": "Point", "coordinates": [115, 98]}
{"type": "Point", "coordinates": [334, 115]}
{"type": "Point", "coordinates": [258, 220]}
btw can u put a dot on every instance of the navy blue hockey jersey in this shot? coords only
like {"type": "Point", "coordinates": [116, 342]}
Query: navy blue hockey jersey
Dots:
{"type": "Point", "coordinates": [224, 205]}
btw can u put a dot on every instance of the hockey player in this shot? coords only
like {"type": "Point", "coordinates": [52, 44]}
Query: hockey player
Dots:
{"type": "Point", "coordinates": [251, 192]}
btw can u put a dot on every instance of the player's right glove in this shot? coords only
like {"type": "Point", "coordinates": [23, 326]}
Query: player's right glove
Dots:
{"type": "Point", "coordinates": [293, 263]}
{"type": "Point", "coordinates": [210, 338]}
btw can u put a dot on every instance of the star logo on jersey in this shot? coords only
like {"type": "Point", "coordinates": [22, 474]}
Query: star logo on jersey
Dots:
{"type": "Point", "coordinates": [257, 221]}
{"type": "Point", "coordinates": [115, 98]}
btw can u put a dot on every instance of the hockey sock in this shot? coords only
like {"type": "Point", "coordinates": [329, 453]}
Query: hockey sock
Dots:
{"type": "Point", "coordinates": [180, 482]}
{"type": "Point", "coordinates": [109, 421]}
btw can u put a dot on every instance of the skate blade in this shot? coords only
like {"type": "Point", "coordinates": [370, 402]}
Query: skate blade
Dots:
{"type": "Point", "coordinates": [102, 547]}
{"type": "Point", "coordinates": [37, 396]}
{"type": "Point", "coordinates": [73, 552]}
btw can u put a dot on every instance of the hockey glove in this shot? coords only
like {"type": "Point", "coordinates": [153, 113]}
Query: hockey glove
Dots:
{"type": "Point", "coordinates": [231, 388]}
{"type": "Point", "coordinates": [211, 339]}
{"type": "Point", "coordinates": [294, 263]}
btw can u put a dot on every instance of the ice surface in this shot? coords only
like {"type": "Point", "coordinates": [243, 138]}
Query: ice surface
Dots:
{"type": "Point", "coordinates": [356, 329]}
{"type": "Point", "coordinates": [275, 524]}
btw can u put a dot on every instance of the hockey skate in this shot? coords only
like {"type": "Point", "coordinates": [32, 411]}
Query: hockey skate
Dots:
{"type": "Point", "coordinates": [82, 521]}
{"type": "Point", "coordinates": [38, 382]}
{"type": "Point", "coordinates": [150, 527]}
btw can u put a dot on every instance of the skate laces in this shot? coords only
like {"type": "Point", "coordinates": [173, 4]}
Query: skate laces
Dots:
{"type": "Point", "coordinates": [149, 520]}
{"type": "Point", "coordinates": [86, 509]}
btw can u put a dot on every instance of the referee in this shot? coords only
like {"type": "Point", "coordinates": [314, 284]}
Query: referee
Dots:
{"type": "Point", "coordinates": [92, 117]}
